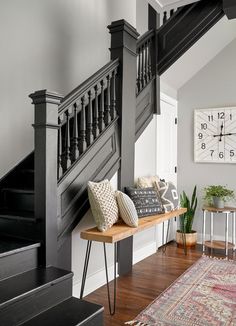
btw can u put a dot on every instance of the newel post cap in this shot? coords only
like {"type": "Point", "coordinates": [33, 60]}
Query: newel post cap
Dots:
{"type": "Point", "coordinates": [46, 96]}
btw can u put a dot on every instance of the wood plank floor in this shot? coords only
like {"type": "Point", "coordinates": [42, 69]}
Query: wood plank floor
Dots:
{"type": "Point", "coordinates": [145, 282]}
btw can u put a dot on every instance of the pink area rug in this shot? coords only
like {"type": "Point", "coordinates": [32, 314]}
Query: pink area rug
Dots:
{"type": "Point", "coordinates": [205, 295]}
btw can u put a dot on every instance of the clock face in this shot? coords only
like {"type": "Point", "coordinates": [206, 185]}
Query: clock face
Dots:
{"type": "Point", "coordinates": [215, 135]}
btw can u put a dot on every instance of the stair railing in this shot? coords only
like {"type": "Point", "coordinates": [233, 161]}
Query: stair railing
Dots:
{"type": "Point", "coordinates": [145, 46]}
{"type": "Point", "coordinates": [84, 114]}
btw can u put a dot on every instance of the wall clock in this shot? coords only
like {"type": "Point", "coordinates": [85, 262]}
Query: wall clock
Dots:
{"type": "Point", "coordinates": [215, 135]}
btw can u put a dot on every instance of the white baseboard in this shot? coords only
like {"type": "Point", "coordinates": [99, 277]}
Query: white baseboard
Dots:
{"type": "Point", "coordinates": [98, 279]}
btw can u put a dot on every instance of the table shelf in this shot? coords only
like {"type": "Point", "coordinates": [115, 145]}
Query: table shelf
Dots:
{"type": "Point", "coordinates": [217, 244]}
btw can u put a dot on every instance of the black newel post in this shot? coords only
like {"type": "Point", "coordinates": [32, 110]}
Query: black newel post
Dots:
{"type": "Point", "coordinates": [154, 23]}
{"type": "Point", "coordinates": [45, 164]}
{"type": "Point", "coordinates": [123, 46]}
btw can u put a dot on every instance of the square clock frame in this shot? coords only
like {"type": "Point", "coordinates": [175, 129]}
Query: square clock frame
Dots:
{"type": "Point", "coordinates": [215, 135]}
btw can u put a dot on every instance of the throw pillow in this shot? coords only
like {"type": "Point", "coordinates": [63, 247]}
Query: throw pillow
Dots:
{"type": "Point", "coordinates": [146, 201]}
{"type": "Point", "coordinates": [169, 195]}
{"type": "Point", "coordinates": [103, 204]}
{"type": "Point", "coordinates": [127, 210]}
{"type": "Point", "coordinates": [147, 182]}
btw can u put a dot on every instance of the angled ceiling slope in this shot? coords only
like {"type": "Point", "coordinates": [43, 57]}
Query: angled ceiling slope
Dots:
{"type": "Point", "coordinates": [201, 53]}
{"type": "Point", "coordinates": [174, 3]}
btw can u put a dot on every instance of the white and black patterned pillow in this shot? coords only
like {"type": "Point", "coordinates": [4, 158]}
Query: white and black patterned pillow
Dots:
{"type": "Point", "coordinates": [169, 195]}
{"type": "Point", "coordinates": [146, 201]}
{"type": "Point", "coordinates": [127, 210]}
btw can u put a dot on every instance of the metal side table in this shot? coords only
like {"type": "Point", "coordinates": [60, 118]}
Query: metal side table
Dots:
{"type": "Point", "coordinates": [213, 243]}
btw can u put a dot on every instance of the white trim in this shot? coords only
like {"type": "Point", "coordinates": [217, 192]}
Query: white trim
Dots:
{"type": "Point", "coordinates": [168, 99]}
{"type": "Point", "coordinates": [98, 279]}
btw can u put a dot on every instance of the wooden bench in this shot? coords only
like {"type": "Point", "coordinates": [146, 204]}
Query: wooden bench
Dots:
{"type": "Point", "coordinates": [116, 233]}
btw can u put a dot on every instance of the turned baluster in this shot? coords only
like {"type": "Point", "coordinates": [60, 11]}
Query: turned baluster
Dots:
{"type": "Point", "coordinates": [146, 63]}
{"type": "Point", "coordinates": [90, 120]}
{"type": "Point", "coordinates": [82, 132]}
{"type": "Point", "coordinates": [108, 102]}
{"type": "Point", "coordinates": [143, 66]}
{"type": "Point", "coordinates": [139, 80]}
{"type": "Point", "coordinates": [59, 167]}
{"type": "Point", "coordinates": [95, 114]}
{"type": "Point", "coordinates": [75, 150]}
{"type": "Point", "coordinates": [164, 17]}
{"type": "Point", "coordinates": [113, 95]}
{"type": "Point", "coordinates": [67, 160]}
{"type": "Point", "coordinates": [149, 60]}
{"type": "Point", "coordinates": [172, 12]}
{"type": "Point", "coordinates": [101, 108]}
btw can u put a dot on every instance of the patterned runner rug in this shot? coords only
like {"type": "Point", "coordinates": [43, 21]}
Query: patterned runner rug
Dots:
{"type": "Point", "coordinates": [205, 295]}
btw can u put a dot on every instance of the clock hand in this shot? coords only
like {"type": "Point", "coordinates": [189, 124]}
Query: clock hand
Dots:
{"type": "Point", "coordinates": [229, 134]}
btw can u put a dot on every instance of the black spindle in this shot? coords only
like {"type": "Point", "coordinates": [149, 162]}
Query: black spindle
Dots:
{"type": "Point", "coordinates": [95, 114]}
{"type": "Point", "coordinates": [164, 17]}
{"type": "Point", "coordinates": [146, 63]}
{"type": "Point", "coordinates": [82, 132]}
{"type": "Point", "coordinates": [113, 95]}
{"type": "Point", "coordinates": [139, 81]}
{"type": "Point", "coordinates": [101, 108]}
{"type": "Point", "coordinates": [59, 168]}
{"type": "Point", "coordinates": [90, 120]}
{"type": "Point", "coordinates": [75, 150]}
{"type": "Point", "coordinates": [108, 102]}
{"type": "Point", "coordinates": [67, 161]}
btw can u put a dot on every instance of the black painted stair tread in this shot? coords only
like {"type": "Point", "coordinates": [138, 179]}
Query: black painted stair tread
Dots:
{"type": "Point", "coordinates": [17, 215]}
{"type": "Point", "coordinates": [19, 190]}
{"type": "Point", "coordinates": [10, 246]}
{"type": "Point", "coordinates": [71, 312]}
{"type": "Point", "coordinates": [21, 285]}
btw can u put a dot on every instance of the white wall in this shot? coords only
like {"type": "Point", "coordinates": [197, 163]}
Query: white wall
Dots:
{"type": "Point", "coordinates": [213, 86]}
{"type": "Point", "coordinates": [53, 44]}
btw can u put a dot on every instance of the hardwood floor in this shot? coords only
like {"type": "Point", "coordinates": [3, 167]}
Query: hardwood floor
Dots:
{"type": "Point", "coordinates": [148, 279]}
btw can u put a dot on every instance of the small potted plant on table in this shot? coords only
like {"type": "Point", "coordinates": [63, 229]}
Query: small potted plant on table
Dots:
{"type": "Point", "coordinates": [217, 195]}
{"type": "Point", "coordinates": [185, 236]}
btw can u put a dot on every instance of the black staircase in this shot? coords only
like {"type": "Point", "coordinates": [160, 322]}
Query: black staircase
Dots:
{"type": "Point", "coordinates": [87, 135]}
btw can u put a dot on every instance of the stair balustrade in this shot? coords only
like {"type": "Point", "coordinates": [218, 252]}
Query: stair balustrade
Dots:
{"type": "Point", "coordinates": [145, 46]}
{"type": "Point", "coordinates": [84, 114]}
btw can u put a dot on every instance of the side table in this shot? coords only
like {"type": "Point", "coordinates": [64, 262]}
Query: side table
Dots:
{"type": "Point", "coordinates": [213, 243]}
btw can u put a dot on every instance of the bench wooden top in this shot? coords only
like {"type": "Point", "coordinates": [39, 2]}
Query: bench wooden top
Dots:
{"type": "Point", "coordinates": [120, 230]}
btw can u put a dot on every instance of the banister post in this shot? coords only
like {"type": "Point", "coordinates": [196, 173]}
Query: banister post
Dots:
{"type": "Point", "coordinates": [123, 46]}
{"type": "Point", "coordinates": [154, 23]}
{"type": "Point", "coordinates": [45, 175]}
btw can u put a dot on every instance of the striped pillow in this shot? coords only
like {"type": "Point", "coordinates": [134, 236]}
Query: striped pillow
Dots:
{"type": "Point", "coordinates": [127, 210]}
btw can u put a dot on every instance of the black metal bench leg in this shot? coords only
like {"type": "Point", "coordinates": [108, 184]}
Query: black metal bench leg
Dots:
{"type": "Point", "coordinates": [167, 236]}
{"type": "Point", "coordinates": [86, 261]}
{"type": "Point", "coordinates": [112, 311]}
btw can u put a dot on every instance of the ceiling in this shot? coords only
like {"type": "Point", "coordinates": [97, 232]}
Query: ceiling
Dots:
{"type": "Point", "coordinates": [200, 54]}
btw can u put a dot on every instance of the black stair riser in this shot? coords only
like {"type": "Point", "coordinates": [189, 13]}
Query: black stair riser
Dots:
{"type": "Point", "coordinates": [25, 178]}
{"type": "Point", "coordinates": [18, 201]}
{"type": "Point", "coordinates": [18, 262]}
{"type": "Point", "coordinates": [20, 229]}
{"type": "Point", "coordinates": [35, 303]}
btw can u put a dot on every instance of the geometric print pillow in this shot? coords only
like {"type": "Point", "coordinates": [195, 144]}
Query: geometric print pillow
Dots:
{"type": "Point", "coordinates": [146, 201]}
{"type": "Point", "coordinates": [103, 204]}
{"type": "Point", "coordinates": [127, 210]}
{"type": "Point", "coordinates": [169, 195]}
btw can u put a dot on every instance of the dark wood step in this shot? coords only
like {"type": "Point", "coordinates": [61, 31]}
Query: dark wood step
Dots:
{"type": "Point", "coordinates": [18, 198]}
{"type": "Point", "coordinates": [30, 293]}
{"type": "Point", "coordinates": [17, 215]}
{"type": "Point", "coordinates": [71, 312]}
{"type": "Point", "coordinates": [17, 256]}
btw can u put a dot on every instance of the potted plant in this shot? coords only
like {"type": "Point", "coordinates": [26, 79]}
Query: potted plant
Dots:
{"type": "Point", "coordinates": [186, 235]}
{"type": "Point", "coordinates": [218, 195]}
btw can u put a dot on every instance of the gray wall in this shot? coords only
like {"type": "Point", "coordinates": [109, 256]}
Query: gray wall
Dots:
{"type": "Point", "coordinates": [53, 44]}
{"type": "Point", "coordinates": [213, 86]}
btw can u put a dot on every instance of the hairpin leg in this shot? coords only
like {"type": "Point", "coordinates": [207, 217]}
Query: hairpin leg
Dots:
{"type": "Point", "coordinates": [167, 236]}
{"type": "Point", "coordinates": [112, 311]}
{"type": "Point", "coordinates": [184, 242]}
{"type": "Point", "coordinates": [86, 261]}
